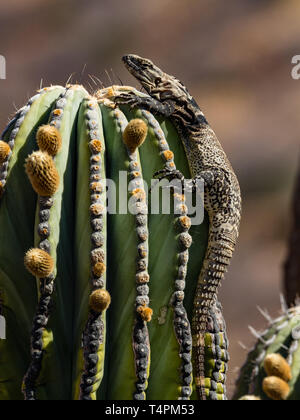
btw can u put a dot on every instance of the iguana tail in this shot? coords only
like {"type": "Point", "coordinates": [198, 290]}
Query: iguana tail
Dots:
{"type": "Point", "coordinates": [218, 256]}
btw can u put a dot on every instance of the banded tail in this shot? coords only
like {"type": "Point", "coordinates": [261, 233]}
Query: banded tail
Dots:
{"type": "Point", "coordinates": [218, 256]}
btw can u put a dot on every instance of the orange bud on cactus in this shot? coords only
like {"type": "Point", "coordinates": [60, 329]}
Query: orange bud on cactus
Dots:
{"type": "Point", "coordinates": [39, 263]}
{"type": "Point", "coordinates": [276, 365]}
{"type": "Point", "coordinates": [135, 134]}
{"type": "Point", "coordinates": [42, 173]}
{"type": "Point", "coordinates": [49, 139]}
{"type": "Point", "coordinates": [100, 300]}
{"type": "Point", "coordinates": [4, 151]}
{"type": "Point", "coordinates": [145, 312]}
{"type": "Point", "coordinates": [99, 269]}
{"type": "Point", "coordinates": [275, 388]}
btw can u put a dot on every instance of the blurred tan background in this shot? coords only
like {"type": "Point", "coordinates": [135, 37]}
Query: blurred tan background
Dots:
{"type": "Point", "coordinates": [234, 56]}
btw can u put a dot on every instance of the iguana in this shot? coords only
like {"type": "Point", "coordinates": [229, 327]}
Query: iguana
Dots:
{"type": "Point", "coordinates": [208, 162]}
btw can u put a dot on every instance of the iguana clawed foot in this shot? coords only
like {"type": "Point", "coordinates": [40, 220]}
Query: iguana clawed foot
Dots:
{"type": "Point", "coordinates": [184, 185]}
{"type": "Point", "coordinates": [127, 99]}
{"type": "Point", "coordinates": [168, 174]}
{"type": "Point", "coordinates": [143, 102]}
{"type": "Point", "coordinates": [177, 180]}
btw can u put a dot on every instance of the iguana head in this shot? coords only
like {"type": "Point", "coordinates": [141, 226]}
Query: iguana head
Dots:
{"type": "Point", "coordinates": [158, 84]}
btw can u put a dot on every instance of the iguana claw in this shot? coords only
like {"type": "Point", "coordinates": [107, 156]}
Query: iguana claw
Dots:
{"type": "Point", "coordinates": [127, 99]}
{"type": "Point", "coordinates": [170, 175]}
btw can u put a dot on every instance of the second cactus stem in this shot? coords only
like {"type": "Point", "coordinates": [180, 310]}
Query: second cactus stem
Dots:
{"type": "Point", "coordinates": [271, 371]}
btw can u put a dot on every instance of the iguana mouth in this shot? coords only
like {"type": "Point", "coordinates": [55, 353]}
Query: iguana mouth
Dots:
{"type": "Point", "coordinates": [136, 66]}
{"type": "Point", "coordinates": [131, 62]}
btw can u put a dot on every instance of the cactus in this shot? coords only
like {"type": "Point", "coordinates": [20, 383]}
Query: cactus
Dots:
{"type": "Point", "coordinates": [272, 369]}
{"type": "Point", "coordinates": [97, 305]}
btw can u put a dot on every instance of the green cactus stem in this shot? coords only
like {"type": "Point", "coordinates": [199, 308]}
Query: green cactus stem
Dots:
{"type": "Point", "coordinates": [108, 315]}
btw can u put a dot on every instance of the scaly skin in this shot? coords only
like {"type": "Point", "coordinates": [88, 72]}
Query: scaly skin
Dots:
{"type": "Point", "coordinates": [208, 162]}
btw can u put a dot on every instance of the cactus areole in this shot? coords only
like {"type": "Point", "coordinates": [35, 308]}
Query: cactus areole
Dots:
{"type": "Point", "coordinates": [98, 299]}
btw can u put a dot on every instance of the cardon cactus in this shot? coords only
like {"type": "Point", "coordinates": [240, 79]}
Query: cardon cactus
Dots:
{"type": "Point", "coordinates": [109, 314]}
{"type": "Point", "coordinates": [272, 370]}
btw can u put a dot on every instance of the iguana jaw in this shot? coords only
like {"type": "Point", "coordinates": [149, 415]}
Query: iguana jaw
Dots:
{"type": "Point", "coordinates": [145, 71]}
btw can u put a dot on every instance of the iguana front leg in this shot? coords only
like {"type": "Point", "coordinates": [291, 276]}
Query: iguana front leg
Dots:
{"type": "Point", "coordinates": [165, 109]}
{"type": "Point", "coordinates": [168, 174]}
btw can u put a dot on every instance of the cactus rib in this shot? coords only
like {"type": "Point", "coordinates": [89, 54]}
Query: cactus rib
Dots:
{"type": "Point", "coordinates": [181, 323]}
{"type": "Point", "coordinates": [39, 324]}
{"type": "Point", "coordinates": [163, 145]}
{"type": "Point", "coordinates": [93, 337]}
{"type": "Point", "coordinates": [46, 284]}
{"type": "Point", "coordinates": [141, 342]}
{"type": "Point", "coordinates": [122, 245]}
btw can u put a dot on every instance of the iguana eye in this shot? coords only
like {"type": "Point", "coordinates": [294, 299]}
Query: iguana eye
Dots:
{"type": "Point", "coordinates": [157, 81]}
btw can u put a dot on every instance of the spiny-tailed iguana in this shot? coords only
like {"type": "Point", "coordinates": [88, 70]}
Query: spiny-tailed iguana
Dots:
{"type": "Point", "coordinates": [208, 162]}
